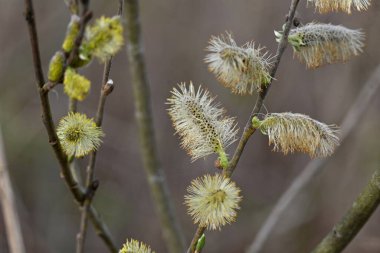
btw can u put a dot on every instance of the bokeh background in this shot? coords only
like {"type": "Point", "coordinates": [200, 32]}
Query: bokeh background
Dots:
{"type": "Point", "coordinates": [175, 34]}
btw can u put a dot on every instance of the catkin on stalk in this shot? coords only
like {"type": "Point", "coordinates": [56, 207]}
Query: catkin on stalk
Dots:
{"type": "Point", "coordinates": [242, 69]}
{"type": "Point", "coordinates": [78, 135]}
{"type": "Point", "coordinates": [213, 201]}
{"type": "Point", "coordinates": [200, 122]}
{"type": "Point", "coordinates": [290, 132]}
{"type": "Point", "coordinates": [318, 44]}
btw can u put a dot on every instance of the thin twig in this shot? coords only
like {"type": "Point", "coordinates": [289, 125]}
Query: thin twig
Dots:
{"type": "Point", "coordinates": [354, 219]}
{"type": "Point", "coordinates": [8, 203]}
{"type": "Point", "coordinates": [248, 129]}
{"type": "Point", "coordinates": [70, 181]}
{"type": "Point", "coordinates": [172, 233]}
{"type": "Point", "coordinates": [356, 111]}
{"type": "Point", "coordinates": [91, 185]}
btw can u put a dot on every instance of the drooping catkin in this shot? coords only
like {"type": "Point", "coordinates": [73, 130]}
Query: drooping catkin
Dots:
{"type": "Point", "coordinates": [200, 122]}
{"type": "Point", "coordinates": [324, 6]}
{"type": "Point", "coordinates": [213, 201]}
{"type": "Point", "coordinates": [290, 132]}
{"type": "Point", "coordinates": [318, 44]}
{"type": "Point", "coordinates": [242, 69]}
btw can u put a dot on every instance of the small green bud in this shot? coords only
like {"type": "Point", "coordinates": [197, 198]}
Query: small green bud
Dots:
{"type": "Point", "coordinates": [223, 159]}
{"type": "Point", "coordinates": [200, 244]}
{"type": "Point", "coordinates": [71, 34]}
{"type": "Point", "coordinates": [56, 67]}
{"type": "Point", "coordinates": [256, 123]}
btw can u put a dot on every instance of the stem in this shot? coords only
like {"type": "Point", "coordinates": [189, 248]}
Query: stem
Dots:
{"type": "Point", "coordinates": [8, 203]}
{"type": "Point", "coordinates": [70, 181]}
{"type": "Point", "coordinates": [73, 104]}
{"type": "Point", "coordinates": [198, 233]}
{"type": "Point", "coordinates": [90, 187]}
{"type": "Point", "coordinates": [172, 233]}
{"type": "Point", "coordinates": [356, 111]}
{"type": "Point", "coordinates": [354, 219]}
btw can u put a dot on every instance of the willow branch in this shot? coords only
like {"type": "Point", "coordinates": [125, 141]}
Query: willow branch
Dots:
{"type": "Point", "coordinates": [354, 219]}
{"type": "Point", "coordinates": [248, 129]}
{"type": "Point", "coordinates": [171, 229]}
{"type": "Point", "coordinates": [8, 203]}
{"type": "Point", "coordinates": [356, 111]}
{"type": "Point", "coordinates": [92, 185]}
{"type": "Point", "coordinates": [70, 181]}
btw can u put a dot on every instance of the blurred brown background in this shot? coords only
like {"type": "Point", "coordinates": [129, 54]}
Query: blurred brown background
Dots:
{"type": "Point", "coordinates": [175, 33]}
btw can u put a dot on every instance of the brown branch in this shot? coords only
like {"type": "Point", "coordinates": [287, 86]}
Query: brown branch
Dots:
{"type": "Point", "coordinates": [70, 181]}
{"type": "Point", "coordinates": [171, 230]}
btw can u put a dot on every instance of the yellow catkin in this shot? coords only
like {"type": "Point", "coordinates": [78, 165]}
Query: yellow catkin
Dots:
{"type": "Point", "coordinates": [213, 201]}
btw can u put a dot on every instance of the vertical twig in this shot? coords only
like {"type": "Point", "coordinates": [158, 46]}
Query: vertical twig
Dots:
{"type": "Point", "coordinates": [8, 203]}
{"type": "Point", "coordinates": [354, 219]}
{"type": "Point", "coordinates": [91, 185]}
{"type": "Point", "coordinates": [171, 230]}
{"type": "Point", "coordinates": [70, 181]}
{"type": "Point", "coordinates": [349, 122]}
